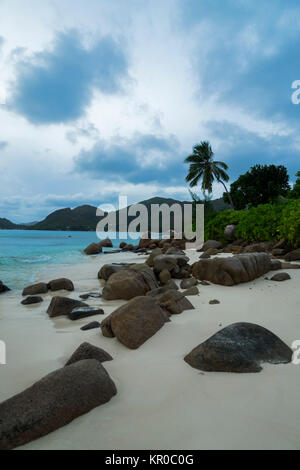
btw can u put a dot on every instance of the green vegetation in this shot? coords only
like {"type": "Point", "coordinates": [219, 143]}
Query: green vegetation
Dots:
{"type": "Point", "coordinates": [203, 167]}
{"type": "Point", "coordinates": [295, 193]}
{"type": "Point", "coordinates": [262, 223]}
{"type": "Point", "coordinates": [262, 184]}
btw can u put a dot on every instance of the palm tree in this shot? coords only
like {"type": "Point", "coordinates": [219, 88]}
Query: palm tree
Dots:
{"type": "Point", "coordinates": [203, 166]}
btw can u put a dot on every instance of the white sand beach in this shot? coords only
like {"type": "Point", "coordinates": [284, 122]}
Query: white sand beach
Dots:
{"type": "Point", "coordinates": [162, 402]}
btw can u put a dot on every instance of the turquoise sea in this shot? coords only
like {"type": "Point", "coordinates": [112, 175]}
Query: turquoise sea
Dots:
{"type": "Point", "coordinates": [24, 252]}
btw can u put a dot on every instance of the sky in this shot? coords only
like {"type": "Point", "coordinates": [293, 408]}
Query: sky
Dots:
{"type": "Point", "coordinates": [106, 98]}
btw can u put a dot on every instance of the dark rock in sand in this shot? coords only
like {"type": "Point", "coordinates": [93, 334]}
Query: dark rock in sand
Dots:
{"type": "Point", "coordinates": [84, 312]}
{"type": "Point", "coordinates": [63, 306]}
{"type": "Point", "coordinates": [293, 255]}
{"type": "Point", "coordinates": [132, 282]}
{"type": "Point", "coordinates": [35, 289]}
{"type": "Point", "coordinates": [32, 300]}
{"type": "Point", "coordinates": [93, 295]}
{"type": "Point", "coordinates": [280, 277]}
{"type": "Point", "coordinates": [135, 322]}
{"type": "Point", "coordinates": [191, 291]}
{"type": "Point", "coordinates": [91, 326]}
{"type": "Point", "coordinates": [240, 347]}
{"type": "Point", "coordinates": [214, 302]}
{"type": "Point", "coordinates": [234, 270]}
{"type": "Point", "coordinates": [93, 249]}
{"type": "Point", "coordinates": [61, 284]}
{"type": "Point", "coordinates": [187, 283]}
{"type": "Point", "coordinates": [88, 351]}
{"type": "Point", "coordinates": [53, 402]}
{"type": "Point", "coordinates": [3, 288]}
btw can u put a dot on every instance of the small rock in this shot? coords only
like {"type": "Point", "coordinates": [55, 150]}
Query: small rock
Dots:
{"type": "Point", "coordinates": [214, 302]}
{"type": "Point", "coordinates": [280, 277]}
{"type": "Point", "coordinates": [187, 283]}
{"type": "Point", "coordinates": [88, 351]}
{"type": "Point", "coordinates": [32, 300]}
{"type": "Point", "coordinates": [93, 295]}
{"type": "Point", "coordinates": [91, 326]}
{"type": "Point", "coordinates": [83, 312]}
{"type": "Point", "coordinates": [191, 291]}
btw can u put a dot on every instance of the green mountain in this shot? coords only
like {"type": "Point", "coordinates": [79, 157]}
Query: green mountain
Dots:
{"type": "Point", "coordinates": [6, 224]}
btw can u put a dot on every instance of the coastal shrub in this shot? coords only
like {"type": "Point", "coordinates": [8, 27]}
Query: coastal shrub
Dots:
{"type": "Point", "coordinates": [262, 223]}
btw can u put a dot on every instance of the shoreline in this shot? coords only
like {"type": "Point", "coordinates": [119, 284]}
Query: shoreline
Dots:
{"type": "Point", "coordinates": [162, 403]}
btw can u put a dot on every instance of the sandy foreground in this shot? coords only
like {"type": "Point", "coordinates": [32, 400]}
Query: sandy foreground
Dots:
{"type": "Point", "coordinates": [163, 403]}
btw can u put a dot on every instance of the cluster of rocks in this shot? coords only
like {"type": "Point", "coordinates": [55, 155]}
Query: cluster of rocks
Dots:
{"type": "Point", "coordinates": [31, 292]}
{"type": "Point", "coordinates": [3, 288]}
{"type": "Point", "coordinates": [281, 249]}
{"type": "Point", "coordinates": [57, 399]}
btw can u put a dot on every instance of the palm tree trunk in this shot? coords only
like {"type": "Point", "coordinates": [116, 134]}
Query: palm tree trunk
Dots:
{"type": "Point", "coordinates": [228, 194]}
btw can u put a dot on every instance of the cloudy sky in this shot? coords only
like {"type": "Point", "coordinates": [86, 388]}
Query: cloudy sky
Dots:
{"type": "Point", "coordinates": [106, 97]}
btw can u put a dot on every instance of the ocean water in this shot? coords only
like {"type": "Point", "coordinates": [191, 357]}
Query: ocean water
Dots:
{"type": "Point", "coordinates": [23, 253]}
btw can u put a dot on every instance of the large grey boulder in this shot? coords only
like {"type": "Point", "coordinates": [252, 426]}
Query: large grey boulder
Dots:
{"type": "Point", "coordinates": [234, 270]}
{"type": "Point", "coordinates": [211, 244]}
{"type": "Point", "coordinates": [240, 347]}
{"type": "Point", "coordinates": [135, 281]}
{"type": "Point", "coordinates": [53, 402]}
{"type": "Point", "coordinates": [135, 322]}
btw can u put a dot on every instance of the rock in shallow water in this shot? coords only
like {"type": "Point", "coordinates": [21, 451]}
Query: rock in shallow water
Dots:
{"type": "Point", "coordinates": [53, 402]}
{"type": "Point", "coordinates": [88, 351]}
{"type": "Point", "coordinates": [240, 347]}
{"type": "Point", "coordinates": [3, 288]}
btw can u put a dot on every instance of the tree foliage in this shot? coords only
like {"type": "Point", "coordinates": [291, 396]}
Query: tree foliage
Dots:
{"type": "Point", "coordinates": [261, 185]}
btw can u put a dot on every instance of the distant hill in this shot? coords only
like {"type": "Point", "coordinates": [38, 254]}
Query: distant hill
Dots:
{"type": "Point", "coordinates": [6, 224]}
{"type": "Point", "coordinates": [83, 218]}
